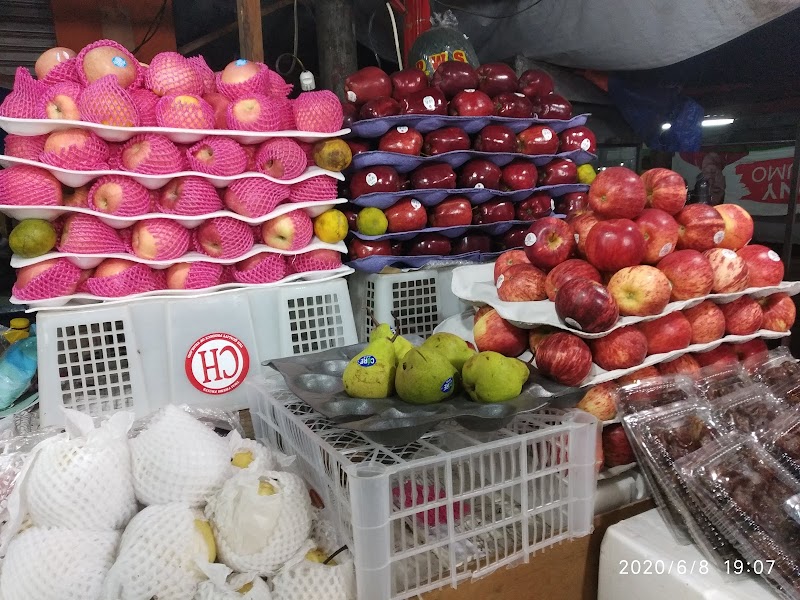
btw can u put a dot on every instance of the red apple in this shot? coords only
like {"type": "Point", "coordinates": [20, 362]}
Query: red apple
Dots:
{"type": "Point", "coordinates": [349, 111]}
{"type": "Point", "coordinates": [617, 193]}
{"type": "Point", "coordinates": [707, 321]}
{"type": "Point", "coordinates": [689, 272]}
{"type": "Point", "coordinates": [356, 146]}
{"type": "Point", "coordinates": [586, 305]}
{"type": "Point", "coordinates": [407, 214]}
{"type": "Point", "coordinates": [402, 140]}
{"type": "Point", "coordinates": [407, 81]}
{"type": "Point", "coordinates": [471, 103]}
{"type": "Point", "coordinates": [453, 76]}
{"type": "Point", "coordinates": [433, 176]}
{"type": "Point", "coordinates": [447, 139]}
{"type": "Point", "coordinates": [471, 242]}
{"type": "Point", "coordinates": [367, 84]}
{"type": "Point", "coordinates": [600, 401]}
{"type": "Point", "coordinates": [513, 104]}
{"type": "Point", "coordinates": [374, 179]}
{"type": "Point", "coordinates": [552, 106]}
{"type": "Point", "coordinates": [429, 101]}
{"type": "Point", "coordinates": [640, 291]}
{"type": "Point", "coordinates": [569, 203]}
{"type": "Point", "coordinates": [721, 355]}
{"type": "Point", "coordinates": [509, 259]}
{"type": "Point", "coordinates": [363, 248]}
{"type": "Point", "coordinates": [558, 171]}
{"type": "Point", "coordinates": [514, 237]}
{"type": "Point", "coordinates": [582, 224]}
{"type": "Point", "coordinates": [549, 242]}
{"type": "Point", "coordinates": [686, 364]}
{"type": "Point", "coordinates": [667, 334]}
{"type": "Point", "coordinates": [496, 78]}
{"type": "Point", "coordinates": [434, 244]}
{"type": "Point", "coordinates": [495, 138]}
{"type": "Point", "coordinates": [764, 266]}
{"type": "Point", "coordinates": [665, 189]}
{"type": "Point", "coordinates": [730, 270]}
{"type": "Point", "coordinates": [565, 358]}
{"type": "Point", "coordinates": [617, 450]}
{"type": "Point", "coordinates": [743, 316]}
{"type": "Point", "coordinates": [480, 173]}
{"type": "Point", "coordinates": [639, 375]}
{"type": "Point", "coordinates": [384, 106]}
{"type": "Point", "coordinates": [746, 350]}
{"type": "Point", "coordinates": [537, 335]}
{"type": "Point", "coordinates": [493, 211]}
{"type": "Point", "coordinates": [779, 312]}
{"type": "Point", "coordinates": [535, 206]}
{"type": "Point", "coordinates": [660, 233]}
{"type": "Point", "coordinates": [535, 83]}
{"type": "Point", "coordinates": [614, 244]}
{"type": "Point", "coordinates": [622, 348]}
{"type": "Point", "coordinates": [537, 140]}
{"type": "Point", "coordinates": [351, 213]}
{"type": "Point", "coordinates": [738, 226]}
{"type": "Point", "coordinates": [454, 211]}
{"type": "Point", "coordinates": [578, 138]}
{"type": "Point", "coordinates": [521, 175]}
{"type": "Point", "coordinates": [521, 283]}
{"type": "Point", "coordinates": [568, 270]}
{"type": "Point", "coordinates": [492, 333]}
{"type": "Point", "coordinates": [701, 227]}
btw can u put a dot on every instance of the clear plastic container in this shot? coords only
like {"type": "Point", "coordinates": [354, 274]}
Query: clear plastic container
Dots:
{"type": "Point", "coordinates": [749, 410]}
{"type": "Point", "coordinates": [783, 441]}
{"type": "Point", "coordinates": [654, 392]}
{"type": "Point", "coordinates": [717, 381]}
{"type": "Point", "coordinates": [17, 368]}
{"type": "Point", "coordinates": [775, 369]}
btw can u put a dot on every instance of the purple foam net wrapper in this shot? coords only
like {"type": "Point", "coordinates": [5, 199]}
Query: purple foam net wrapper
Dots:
{"type": "Point", "coordinates": [433, 197]}
{"type": "Point", "coordinates": [376, 264]}
{"type": "Point", "coordinates": [450, 232]}
{"type": "Point", "coordinates": [403, 163]}
{"type": "Point", "coordinates": [373, 128]}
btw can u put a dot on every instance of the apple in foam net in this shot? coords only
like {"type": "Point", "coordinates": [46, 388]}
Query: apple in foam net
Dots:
{"type": "Point", "coordinates": [407, 214]}
{"type": "Point", "coordinates": [537, 140]}
{"type": "Point", "coordinates": [689, 272]}
{"type": "Point", "coordinates": [50, 58]}
{"type": "Point", "coordinates": [521, 283]}
{"type": "Point", "coordinates": [614, 244]}
{"type": "Point", "coordinates": [403, 140]}
{"type": "Point", "coordinates": [701, 227]}
{"type": "Point", "coordinates": [686, 364]}
{"type": "Point", "coordinates": [507, 260]}
{"type": "Point", "coordinates": [764, 266]}
{"type": "Point", "coordinates": [721, 355]}
{"type": "Point", "coordinates": [446, 139]}
{"type": "Point", "coordinates": [707, 321]}
{"type": "Point", "coordinates": [743, 316]}
{"type": "Point", "coordinates": [730, 271]}
{"type": "Point", "coordinates": [77, 196]}
{"type": "Point", "coordinates": [622, 348]}
{"type": "Point", "coordinates": [62, 106]}
{"type": "Point", "coordinates": [471, 103]}
{"type": "Point", "coordinates": [452, 212]}
{"type": "Point", "coordinates": [522, 175]}
{"type": "Point", "coordinates": [667, 334]}
{"type": "Point", "coordinates": [246, 111]}
{"type": "Point", "coordinates": [367, 84]}
{"type": "Point", "coordinates": [109, 197]}
{"type": "Point", "coordinates": [136, 154]}
{"type": "Point", "coordinates": [600, 401]}
{"type": "Point", "coordinates": [665, 189]}
{"type": "Point", "coordinates": [108, 60]}
{"type": "Point", "coordinates": [640, 290]}
{"type": "Point", "coordinates": [495, 138]}
{"type": "Point", "coordinates": [495, 334]}
{"type": "Point", "coordinates": [779, 312]}
{"type": "Point", "coordinates": [738, 226]}
{"type": "Point", "coordinates": [617, 193]}
{"type": "Point", "coordinates": [549, 242]}
{"type": "Point", "coordinates": [565, 358]}
{"type": "Point", "coordinates": [535, 206]}
{"type": "Point", "coordinates": [660, 233]}
{"type": "Point", "coordinates": [113, 266]}
{"type": "Point", "coordinates": [586, 305]}
{"type": "Point", "coordinates": [26, 274]}
{"type": "Point", "coordinates": [283, 232]}
{"type": "Point", "coordinates": [220, 105]}
{"type": "Point", "coordinates": [573, 268]}
{"type": "Point", "coordinates": [239, 71]}
{"type": "Point", "coordinates": [177, 275]}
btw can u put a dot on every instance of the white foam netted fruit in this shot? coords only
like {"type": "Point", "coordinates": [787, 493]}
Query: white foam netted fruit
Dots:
{"type": "Point", "coordinates": [178, 459]}
{"type": "Point", "coordinates": [309, 580]}
{"type": "Point", "coordinates": [249, 454]}
{"type": "Point", "coordinates": [260, 520]}
{"type": "Point", "coordinates": [84, 482]}
{"type": "Point", "coordinates": [255, 588]}
{"type": "Point", "coordinates": [162, 554]}
{"type": "Point", "coordinates": [57, 564]}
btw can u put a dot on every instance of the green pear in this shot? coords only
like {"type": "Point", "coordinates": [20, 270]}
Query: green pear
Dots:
{"type": "Point", "coordinates": [401, 344]}
{"type": "Point", "coordinates": [384, 330]}
{"type": "Point", "coordinates": [370, 374]}
{"type": "Point", "coordinates": [492, 377]}
{"type": "Point", "coordinates": [452, 347]}
{"type": "Point", "coordinates": [425, 377]}
{"type": "Point", "coordinates": [401, 347]}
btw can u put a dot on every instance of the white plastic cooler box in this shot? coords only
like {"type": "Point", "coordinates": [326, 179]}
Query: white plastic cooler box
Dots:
{"type": "Point", "coordinates": [144, 354]}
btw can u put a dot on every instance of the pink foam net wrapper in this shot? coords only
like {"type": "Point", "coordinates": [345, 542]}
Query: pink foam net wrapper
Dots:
{"type": "Point", "coordinates": [254, 197]}
{"type": "Point", "coordinates": [320, 187]}
{"type": "Point", "coordinates": [105, 102]}
{"type": "Point", "coordinates": [87, 152]}
{"type": "Point", "coordinates": [286, 114]}
{"type": "Point", "coordinates": [277, 86]}
{"type": "Point", "coordinates": [184, 112]}
{"type": "Point", "coordinates": [134, 198]}
{"type": "Point", "coordinates": [235, 237]}
{"type": "Point", "coordinates": [303, 229]}
{"type": "Point", "coordinates": [60, 279]}
{"type": "Point", "coordinates": [121, 58]}
{"type": "Point", "coordinates": [251, 151]}
{"type": "Point", "coordinates": [172, 73]}
{"type": "Point", "coordinates": [262, 268]}
{"type": "Point", "coordinates": [227, 274]}
{"type": "Point", "coordinates": [281, 158]}
{"type": "Point", "coordinates": [204, 72]}
{"type": "Point", "coordinates": [145, 102]}
{"type": "Point", "coordinates": [218, 156]}
{"type": "Point", "coordinates": [318, 111]}
{"type": "Point", "coordinates": [115, 156]}
{"type": "Point", "coordinates": [202, 275]}
{"type": "Point", "coordinates": [159, 278]}
{"type": "Point", "coordinates": [266, 118]}
{"type": "Point", "coordinates": [24, 146]}
{"type": "Point", "coordinates": [136, 279]}
{"type": "Point", "coordinates": [257, 84]}
{"type": "Point", "coordinates": [86, 234]}
{"type": "Point", "coordinates": [23, 102]}
{"type": "Point", "coordinates": [308, 148]}
{"type": "Point", "coordinates": [316, 260]}
{"type": "Point", "coordinates": [196, 196]}
{"type": "Point", "coordinates": [23, 185]}
{"type": "Point", "coordinates": [63, 71]}
{"type": "Point", "coordinates": [171, 239]}
{"type": "Point", "coordinates": [162, 158]}
{"type": "Point", "coordinates": [69, 89]}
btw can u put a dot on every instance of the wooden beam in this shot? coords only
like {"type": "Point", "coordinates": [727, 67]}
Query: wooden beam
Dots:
{"type": "Point", "coordinates": [251, 39]}
{"type": "Point", "coordinates": [336, 41]}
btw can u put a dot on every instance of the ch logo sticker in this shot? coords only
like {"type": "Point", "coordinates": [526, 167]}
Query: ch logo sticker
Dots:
{"type": "Point", "coordinates": [217, 363]}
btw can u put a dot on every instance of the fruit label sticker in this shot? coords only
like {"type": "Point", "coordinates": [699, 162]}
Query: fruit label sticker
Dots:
{"type": "Point", "coordinates": [577, 238]}
{"type": "Point", "coordinates": [553, 208]}
{"type": "Point", "coordinates": [573, 323]}
{"type": "Point", "coordinates": [470, 90]}
{"type": "Point", "coordinates": [729, 254]}
{"type": "Point", "coordinates": [479, 186]}
{"type": "Point", "coordinates": [500, 281]}
{"type": "Point", "coordinates": [547, 135]}
{"type": "Point", "coordinates": [447, 385]}
{"type": "Point", "coordinates": [586, 143]}
{"type": "Point", "coordinates": [367, 361]}
{"type": "Point", "coordinates": [351, 96]}
{"type": "Point", "coordinates": [520, 95]}
{"type": "Point", "coordinates": [530, 239]}
{"type": "Point", "coordinates": [241, 62]}
{"type": "Point", "coordinates": [718, 237]}
{"type": "Point", "coordinates": [120, 62]}
{"type": "Point", "coordinates": [217, 363]}
{"type": "Point", "coordinates": [773, 256]}
{"type": "Point", "coordinates": [429, 102]}
{"type": "Point", "coordinates": [416, 204]}
{"type": "Point", "coordinates": [402, 129]}
{"type": "Point", "coordinates": [372, 179]}
{"type": "Point", "coordinates": [665, 249]}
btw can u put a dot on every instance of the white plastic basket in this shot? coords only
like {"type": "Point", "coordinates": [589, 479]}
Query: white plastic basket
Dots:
{"type": "Point", "coordinates": [488, 500]}
{"type": "Point", "coordinates": [144, 354]}
{"type": "Point", "coordinates": [414, 303]}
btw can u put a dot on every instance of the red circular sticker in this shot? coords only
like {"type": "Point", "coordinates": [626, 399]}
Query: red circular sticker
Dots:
{"type": "Point", "coordinates": [217, 363]}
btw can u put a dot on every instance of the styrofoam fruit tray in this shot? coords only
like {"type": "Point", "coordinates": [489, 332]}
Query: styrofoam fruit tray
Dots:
{"type": "Point", "coordinates": [51, 213]}
{"type": "Point", "coordinates": [78, 301]}
{"type": "Point", "coordinates": [476, 284]}
{"type": "Point", "coordinates": [461, 325]}
{"type": "Point", "coordinates": [74, 179]}
{"type": "Point", "coordinates": [110, 133]}
{"type": "Point", "coordinates": [90, 261]}
{"type": "Point", "coordinates": [377, 263]}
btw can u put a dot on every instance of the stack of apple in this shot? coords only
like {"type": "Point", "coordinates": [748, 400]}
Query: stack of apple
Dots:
{"type": "Point", "coordinates": [633, 251]}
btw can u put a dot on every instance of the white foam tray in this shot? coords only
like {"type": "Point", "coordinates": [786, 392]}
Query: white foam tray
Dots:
{"type": "Point", "coordinates": [461, 325]}
{"type": "Point", "coordinates": [51, 213]}
{"type": "Point", "coordinates": [78, 301]}
{"type": "Point", "coordinates": [110, 133]}
{"type": "Point", "coordinates": [74, 179]}
{"type": "Point", "coordinates": [475, 284]}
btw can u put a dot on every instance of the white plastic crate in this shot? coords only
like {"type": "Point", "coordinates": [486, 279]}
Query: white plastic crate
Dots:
{"type": "Point", "coordinates": [414, 303]}
{"type": "Point", "coordinates": [452, 506]}
{"type": "Point", "coordinates": [144, 354]}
